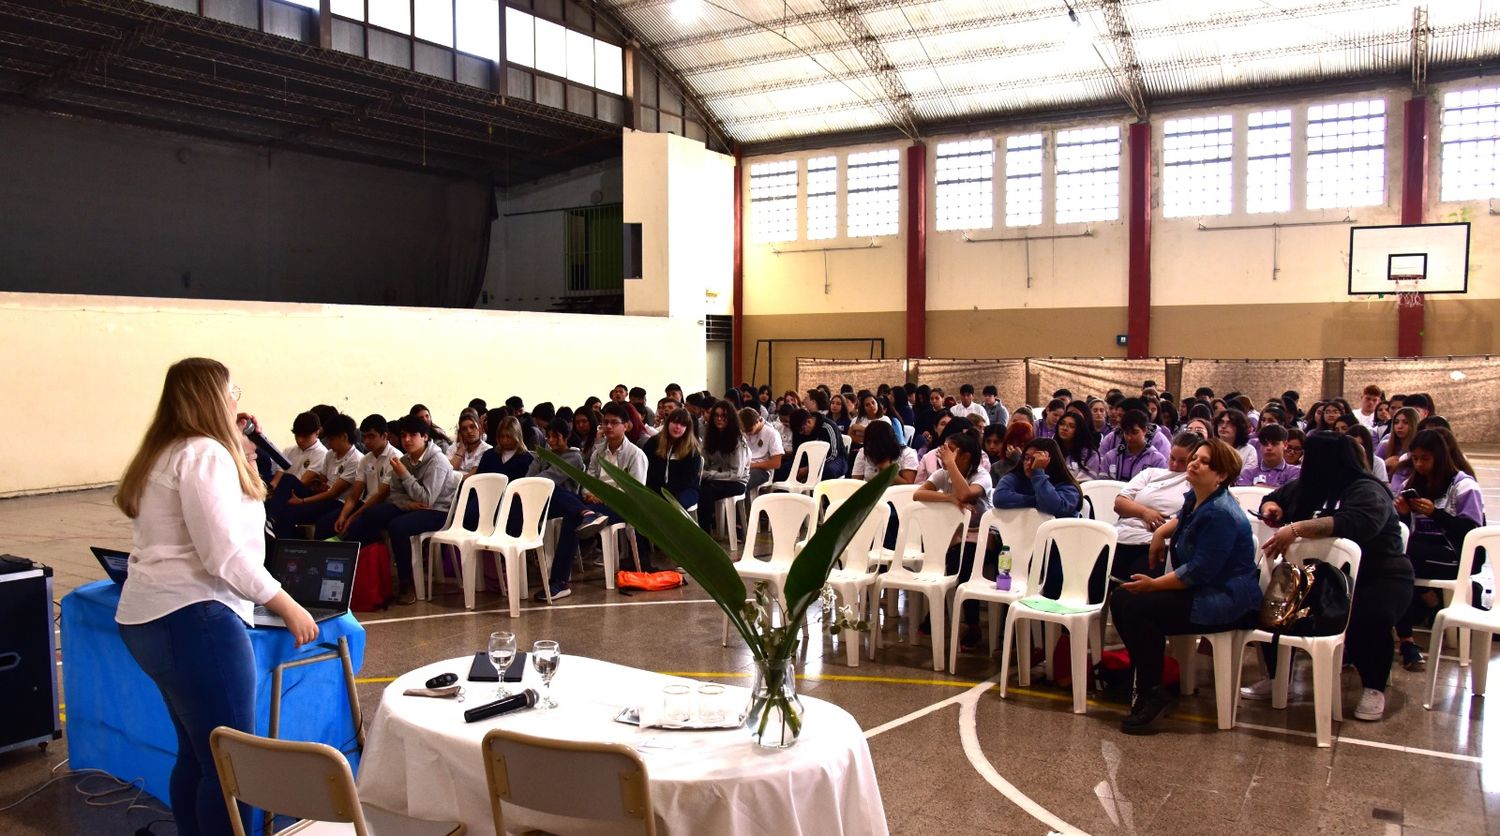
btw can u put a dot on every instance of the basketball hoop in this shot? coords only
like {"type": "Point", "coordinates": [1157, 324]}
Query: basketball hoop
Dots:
{"type": "Point", "coordinates": [1407, 293]}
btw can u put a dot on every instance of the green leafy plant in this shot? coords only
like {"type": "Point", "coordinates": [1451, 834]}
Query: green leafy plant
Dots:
{"type": "Point", "coordinates": [660, 519]}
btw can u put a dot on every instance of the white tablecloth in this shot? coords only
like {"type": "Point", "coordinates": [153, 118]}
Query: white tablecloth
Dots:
{"type": "Point", "coordinates": [422, 759]}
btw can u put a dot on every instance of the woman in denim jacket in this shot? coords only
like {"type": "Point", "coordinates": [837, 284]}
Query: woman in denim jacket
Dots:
{"type": "Point", "coordinates": [1213, 587]}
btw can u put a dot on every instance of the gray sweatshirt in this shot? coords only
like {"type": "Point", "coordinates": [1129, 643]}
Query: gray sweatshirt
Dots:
{"type": "Point", "coordinates": [428, 481]}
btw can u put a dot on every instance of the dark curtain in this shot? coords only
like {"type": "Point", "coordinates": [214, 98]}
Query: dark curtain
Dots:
{"type": "Point", "coordinates": [464, 253]}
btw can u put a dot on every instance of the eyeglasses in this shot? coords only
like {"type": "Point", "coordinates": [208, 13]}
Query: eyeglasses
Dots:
{"type": "Point", "coordinates": [234, 392]}
{"type": "Point", "coordinates": [612, 422]}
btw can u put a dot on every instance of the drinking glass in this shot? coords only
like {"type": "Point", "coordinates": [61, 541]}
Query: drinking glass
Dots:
{"type": "Point", "coordinates": [502, 653]}
{"type": "Point", "coordinates": [545, 657]}
{"type": "Point", "coordinates": [711, 704]}
{"type": "Point", "coordinates": [676, 704]}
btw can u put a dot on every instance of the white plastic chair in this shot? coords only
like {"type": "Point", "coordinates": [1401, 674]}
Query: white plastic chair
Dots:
{"type": "Point", "coordinates": [1462, 613]}
{"type": "Point", "coordinates": [1327, 652]}
{"type": "Point", "coordinates": [1228, 645]}
{"type": "Point", "coordinates": [852, 582]}
{"type": "Point", "coordinates": [488, 490]}
{"type": "Point", "coordinates": [935, 525]}
{"type": "Point", "coordinates": [419, 541]}
{"type": "Point", "coordinates": [729, 517]}
{"type": "Point", "coordinates": [1250, 496]}
{"type": "Point", "coordinates": [787, 516]}
{"type": "Point", "coordinates": [1445, 589]}
{"type": "Point", "coordinates": [897, 498]}
{"type": "Point", "coordinates": [1078, 544]}
{"type": "Point", "coordinates": [605, 783]}
{"type": "Point", "coordinates": [811, 455]}
{"type": "Point", "coordinates": [309, 781]}
{"type": "Point", "coordinates": [1016, 528]}
{"type": "Point", "coordinates": [1099, 494]}
{"type": "Point", "coordinates": [535, 494]}
{"type": "Point", "coordinates": [836, 492]}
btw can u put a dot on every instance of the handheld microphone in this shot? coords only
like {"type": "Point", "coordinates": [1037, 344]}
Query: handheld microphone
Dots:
{"type": "Point", "coordinates": [514, 702]}
{"type": "Point", "coordinates": [265, 446]}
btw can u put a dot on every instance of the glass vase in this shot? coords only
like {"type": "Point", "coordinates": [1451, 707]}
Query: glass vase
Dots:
{"type": "Point", "coordinates": [775, 717]}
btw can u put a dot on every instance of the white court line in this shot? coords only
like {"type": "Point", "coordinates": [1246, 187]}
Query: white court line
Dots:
{"type": "Point", "coordinates": [503, 608]}
{"type": "Point", "coordinates": [915, 715]}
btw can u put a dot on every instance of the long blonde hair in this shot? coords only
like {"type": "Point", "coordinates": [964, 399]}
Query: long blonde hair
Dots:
{"type": "Point", "coordinates": [683, 447]}
{"type": "Point", "coordinates": [194, 402]}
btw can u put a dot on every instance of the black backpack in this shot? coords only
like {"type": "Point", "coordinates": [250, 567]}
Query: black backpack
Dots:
{"type": "Point", "coordinates": [1307, 600]}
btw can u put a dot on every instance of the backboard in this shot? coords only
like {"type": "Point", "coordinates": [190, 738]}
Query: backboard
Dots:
{"type": "Point", "coordinates": [1425, 258]}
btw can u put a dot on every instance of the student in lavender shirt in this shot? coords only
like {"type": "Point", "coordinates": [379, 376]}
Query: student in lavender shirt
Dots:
{"type": "Point", "coordinates": [1047, 427]}
{"type": "Point", "coordinates": [1273, 470]}
{"type": "Point", "coordinates": [1157, 436]}
{"type": "Point", "coordinates": [1448, 504]}
{"type": "Point", "coordinates": [1133, 454]}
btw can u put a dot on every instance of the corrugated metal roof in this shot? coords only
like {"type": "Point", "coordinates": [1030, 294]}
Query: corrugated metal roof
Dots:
{"type": "Point", "coordinates": [779, 69]}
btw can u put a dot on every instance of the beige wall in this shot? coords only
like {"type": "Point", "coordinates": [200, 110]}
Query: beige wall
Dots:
{"type": "Point", "coordinates": [84, 372]}
{"type": "Point", "coordinates": [1263, 292]}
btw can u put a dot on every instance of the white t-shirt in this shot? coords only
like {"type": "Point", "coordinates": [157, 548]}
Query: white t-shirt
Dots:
{"type": "Point", "coordinates": [765, 444]}
{"type": "Point", "coordinates": [1367, 420]}
{"type": "Point", "coordinates": [345, 467]}
{"type": "Point", "coordinates": [862, 469]}
{"type": "Point", "coordinates": [1157, 488]}
{"type": "Point", "coordinates": [197, 538]}
{"type": "Point", "coordinates": [981, 504]}
{"type": "Point", "coordinates": [468, 460]}
{"type": "Point", "coordinates": [975, 408]}
{"type": "Point", "coordinates": [375, 469]}
{"type": "Point", "coordinates": [302, 461]}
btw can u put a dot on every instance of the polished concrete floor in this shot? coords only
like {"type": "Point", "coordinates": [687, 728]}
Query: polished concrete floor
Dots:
{"type": "Point", "coordinates": [951, 756]}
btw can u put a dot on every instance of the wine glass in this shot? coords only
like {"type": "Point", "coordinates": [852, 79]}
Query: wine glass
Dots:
{"type": "Point", "coordinates": [502, 653]}
{"type": "Point", "coordinates": [544, 657]}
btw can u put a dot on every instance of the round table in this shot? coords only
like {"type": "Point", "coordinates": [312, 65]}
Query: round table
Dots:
{"type": "Point", "coordinates": [422, 759]}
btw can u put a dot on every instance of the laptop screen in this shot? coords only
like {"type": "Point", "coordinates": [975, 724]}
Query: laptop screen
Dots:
{"type": "Point", "coordinates": [316, 574]}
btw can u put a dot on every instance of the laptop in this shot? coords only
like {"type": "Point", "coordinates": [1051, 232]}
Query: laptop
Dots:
{"type": "Point", "coordinates": [115, 562]}
{"type": "Point", "coordinates": [317, 574]}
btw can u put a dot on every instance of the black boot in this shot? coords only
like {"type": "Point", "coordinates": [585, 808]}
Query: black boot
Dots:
{"type": "Point", "coordinates": [1149, 707]}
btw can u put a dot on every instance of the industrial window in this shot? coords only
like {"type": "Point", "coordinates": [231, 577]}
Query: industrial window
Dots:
{"type": "Point", "coordinates": [1197, 171]}
{"type": "Point", "coordinates": [394, 15]}
{"type": "Point", "coordinates": [1346, 154]}
{"type": "Point", "coordinates": [540, 44]}
{"type": "Point", "coordinates": [773, 201]}
{"type": "Point", "coordinates": [347, 8]}
{"type": "Point", "coordinates": [875, 193]}
{"type": "Point", "coordinates": [434, 21]}
{"type": "Point", "coordinates": [822, 198]}
{"type": "Point", "coordinates": [1268, 163]}
{"type": "Point", "coordinates": [1471, 144]}
{"type": "Point", "coordinates": [1023, 180]}
{"type": "Point", "coordinates": [1088, 175]}
{"type": "Point", "coordinates": [966, 184]}
{"type": "Point", "coordinates": [479, 28]}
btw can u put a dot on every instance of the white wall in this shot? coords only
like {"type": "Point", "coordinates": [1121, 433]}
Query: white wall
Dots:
{"type": "Point", "coordinates": [85, 372]}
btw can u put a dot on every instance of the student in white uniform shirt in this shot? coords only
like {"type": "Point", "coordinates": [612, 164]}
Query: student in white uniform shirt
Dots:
{"type": "Point", "coordinates": [962, 481]}
{"type": "Point", "coordinates": [766, 448]}
{"type": "Point", "coordinates": [287, 510]}
{"type": "Point", "coordinates": [1146, 502]}
{"type": "Point", "coordinates": [308, 454]}
{"type": "Point", "coordinates": [471, 446]}
{"type": "Point", "coordinates": [197, 570]}
{"type": "Point", "coordinates": [1369, 400]}
{"type": "Point", "coordinates": [966, 405]}
{"type": "Point", "coordinates": [372, 481]}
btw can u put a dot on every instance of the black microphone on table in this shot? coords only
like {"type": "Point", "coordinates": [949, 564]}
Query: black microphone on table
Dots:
{"type": "Point", "coordinates": [265, 446]}
{"type": "Point", "coordinates": [514, 702]}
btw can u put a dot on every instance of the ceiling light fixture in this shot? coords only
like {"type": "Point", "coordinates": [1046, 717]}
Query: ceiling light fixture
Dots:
{"type": "Point", "coordinates": [687, 11]}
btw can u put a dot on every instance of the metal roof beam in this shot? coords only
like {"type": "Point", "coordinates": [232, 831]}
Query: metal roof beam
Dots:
{"type": "Point", "coordinates": [1128, 74]}
{"type": "Point", "coordinates": [897, 100]}
{"type": "Point", "coordinates": [1421, 34]}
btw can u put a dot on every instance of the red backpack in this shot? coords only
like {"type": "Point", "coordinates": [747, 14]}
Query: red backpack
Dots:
{"type": "Point", "coordinates": [372, 579]}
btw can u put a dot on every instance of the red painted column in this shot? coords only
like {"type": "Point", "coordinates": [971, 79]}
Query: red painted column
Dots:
{"type": "Point", "coordinates": [1138, 216]}
{"type": "Point", "coordinates": [916, 250]}
{"type": "Point", "coordinates": [737, 328]}
{"type": "Point", "coordinates": [1410, 322]}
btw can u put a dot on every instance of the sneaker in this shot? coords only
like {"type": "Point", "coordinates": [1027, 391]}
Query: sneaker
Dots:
{"type": "Point", "coordinates": [1371, 705]}
{"type": "Point", "coordinates": [560, 592]}
{"type": "Point", "coordinates": [1147, 709]}
{"type": "Point", "coordinates": [970, 638]}
{"type": "Point", "coordinates": [591, 525]}
{"type": "Point", "coordinates": [1411, 657]}
{"type": "Point", "coordinates": [1260, 691]}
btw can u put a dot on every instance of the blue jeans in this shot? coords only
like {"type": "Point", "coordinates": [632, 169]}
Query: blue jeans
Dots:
{"type": "Point", "coordinates": [200, 658]}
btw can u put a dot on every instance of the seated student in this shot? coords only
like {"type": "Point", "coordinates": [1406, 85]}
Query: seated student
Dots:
{"type": "Point", "coordinates": [437, 435]}
{"type": "Point", "coordinates": [1079, 446]}
{"type": "Point", "coordinates": [566, 505]}
{"type": "Point", "coordinates": [1146, 503]}
{"type": "Point", "coordinates": [1005, 446]}
{"type": "Point", "coordinates": [880, 450]}
{"type": "Point", "coordinates": [293, 503]}
{"type": "Point", "coordinates": [584, 433]}
{"type": "Point", "coordinates": [961, 481]}
{"type": "Point", "coordinates": [1047, 427]}
{"type": "Point", "coordinates": [931, 403]}
{"type": "Point", "coordinates": [783, 425]}
{"type": "Point", "coordinates": [307, 455]}
{"type": "Point", "coordinates": [1099, 415]}
{"type": "Point", "coordinates": [1295, 439]}
{"type": "Point", "coordinates": [465, 454]}
{"type": "Point", "coordinates": [1447, 506]}
{"type": "Point", "coordinates": [509, 455]}
{"type": "Point", "coordinates": [1366, 443]}
{"type": "Point", "coordinates": [966, 405]}
{"type": "Point", "coordinates": [615, 448]}
{"type": "Point", "coordinates": [812, 426]}
{"type": "Point", "coordinates": [1213, 586]}
{"type": "Point", "coordinates": [1273, 470]}
{"type": "Point", "coordinates": [995, 413]}
{"type": "Point", "coordinates": [1133, 453]}
{"type": "Point", "coordinates": [1233, 427]}
{"type": "Point", "coordinates": [726, 462]}
{"type": "Point", "coordinates": [372, 483]}
{"type": "Point", "coordinates": [674, 460]}
{"type": "Point", "coordinates": [1043, 482]}
{"type": "Point", "coordinates": [422, 486]}
{"type": "Point", "coordinates": [637, 398]}
{"type": "Point", "coordinates": [929, 440]}
{"type": "Point", "coordinates": [1156, 435]}
{"type": "Point", "coordinates": [841, 412]}
{"type": "Point", "coordinates": [765, 446]}
{"type": "Point", "coordinates": [1403, 429]}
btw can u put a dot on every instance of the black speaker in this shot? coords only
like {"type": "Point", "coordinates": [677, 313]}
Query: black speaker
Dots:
{"type": "Point", "coordinates": [28, 654]}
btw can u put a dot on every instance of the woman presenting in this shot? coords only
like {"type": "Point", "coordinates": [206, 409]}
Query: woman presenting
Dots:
{"type": "Point", "coordinates": [196, 573]}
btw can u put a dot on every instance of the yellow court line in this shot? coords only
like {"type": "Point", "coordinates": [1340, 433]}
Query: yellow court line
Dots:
{"type": "Point", "coordinates": [366, 680]}
{"type": "Point", "coordinates": [892, 680]}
